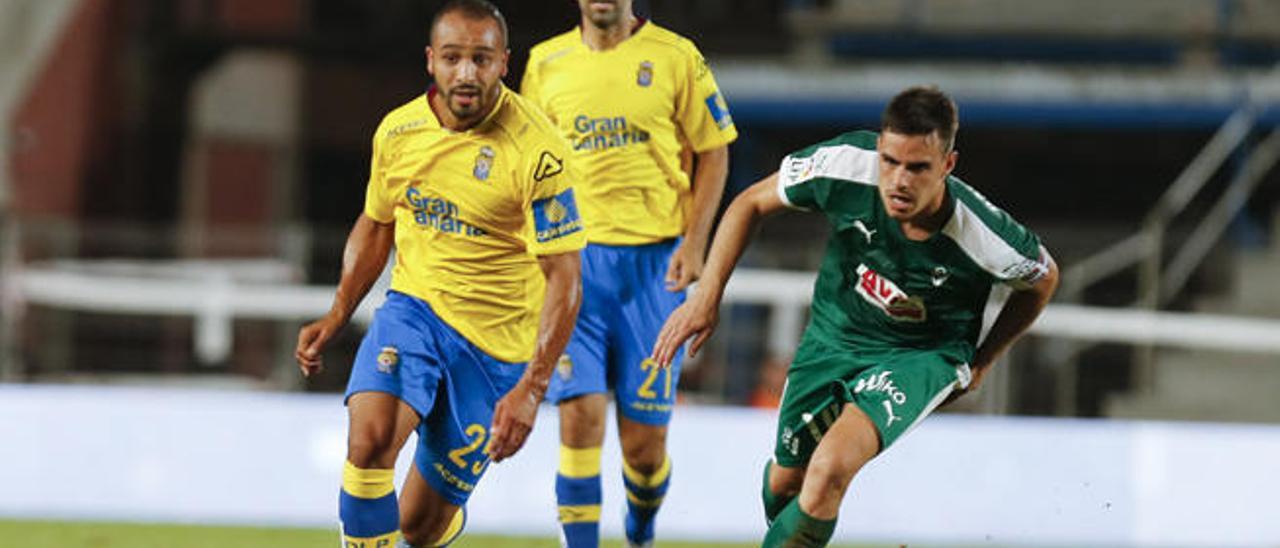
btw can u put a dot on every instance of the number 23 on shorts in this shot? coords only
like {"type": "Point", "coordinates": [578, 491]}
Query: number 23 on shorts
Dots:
{"type": "Point", "coordinates": [459, 456]}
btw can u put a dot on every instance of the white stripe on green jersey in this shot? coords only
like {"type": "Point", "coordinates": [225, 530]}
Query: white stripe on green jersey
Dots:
{"type": "Point", "coordinates": [878, 288]}
{"type": "Point", "coordinates": [989, 250]}
{"type": "Point", "coordinates": [838, 162]}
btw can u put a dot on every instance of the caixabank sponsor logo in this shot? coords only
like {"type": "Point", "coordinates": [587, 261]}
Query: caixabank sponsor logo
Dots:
{"type": "Point", "coordinates": [556, 217]}
{"type": "Point", "coordinates": [882, 293]}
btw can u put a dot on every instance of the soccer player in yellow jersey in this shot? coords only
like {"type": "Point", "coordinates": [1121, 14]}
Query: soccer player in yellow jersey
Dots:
{"type": "Point", "coordinates": [472, 185]}
{"type": "Point", "coordinates": [631, 97]}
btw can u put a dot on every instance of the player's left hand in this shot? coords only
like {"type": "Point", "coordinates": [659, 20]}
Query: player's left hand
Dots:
{"type": "Point", "coordinates": [978, 372]}
{"type": "Point", "coordinates": [696, 319]}
{"type": "Point", "coordinates": [685, 266]}
{"type": "Point", "coordinates": [512, 421]}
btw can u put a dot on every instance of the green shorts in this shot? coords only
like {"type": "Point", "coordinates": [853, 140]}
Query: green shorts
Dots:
{"type": "Point", "coordinates": [895, 388]}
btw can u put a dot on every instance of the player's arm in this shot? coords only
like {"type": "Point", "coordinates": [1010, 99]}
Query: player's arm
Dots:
{"type": "Point", "coordinates": [514, 415]}
{"type": "Point", "coordinates": [1019, 312]}
{"type": "Point", "coordinates": [709, 174]}
{"type": "Point", "coordinates": [363, 259]}
{"type": "Point", "coordinates": [697, 317]}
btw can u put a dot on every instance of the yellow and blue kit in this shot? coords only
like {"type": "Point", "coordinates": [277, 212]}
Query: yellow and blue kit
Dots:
{"type": "Point", "coordinates": [472, 212]}
{"type": "Point", "coordinates": [629, 113]}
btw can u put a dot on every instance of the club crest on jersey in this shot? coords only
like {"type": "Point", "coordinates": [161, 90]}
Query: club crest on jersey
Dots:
{"type": "Point", "coordinates": [387, 359]}
{"type": "Point", "coordinates": [484, 163]}
{"type": "Point", "coordinates": [882, 293]}
{"type": "Point", "coordinates": [565, 367]}
{"type": "Point", "coordinates": [939, 276]}
{"type": "Point", "coordinates": [644, 75]}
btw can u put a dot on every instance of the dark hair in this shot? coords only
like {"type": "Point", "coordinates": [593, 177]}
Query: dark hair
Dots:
{"type": "Point", "coordinates": [922, 110]}
{"type": "Point", "coordinates": [471, 9]}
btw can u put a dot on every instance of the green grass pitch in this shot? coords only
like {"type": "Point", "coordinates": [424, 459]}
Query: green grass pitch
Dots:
{"type": "Point", "coordinates": [54, 534]}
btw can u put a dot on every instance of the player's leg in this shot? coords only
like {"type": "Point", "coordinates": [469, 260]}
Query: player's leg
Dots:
{"type": "Point", "coordinates": [781, 484]}
{"type": "Point", "coordinates": [878, 405]}
{"type": "Point", "coordinates": [645, 392]}
{"type": "Point", "coordinates": [385, 395]}
{"type": "Point", "coordinates": [807, 409]}
{"type": "Point", "coordinates": [646, 474]}
{"type": "Point", "coordinates": [379, 424]}
{"type": "Point", "coordinates": [578, 489]}
{"type": "Point", "coordinates": [810, 519]}
{"type": "Point", "coordinates": [450, 458]}
{"type": "Point", "coordinates": [579, 389]}
{"type": "Point", "coordinates": [429, 519]}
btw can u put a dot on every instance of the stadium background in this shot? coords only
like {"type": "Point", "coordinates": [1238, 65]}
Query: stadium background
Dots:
{"type": "Point", "coordinates": [177, 176]}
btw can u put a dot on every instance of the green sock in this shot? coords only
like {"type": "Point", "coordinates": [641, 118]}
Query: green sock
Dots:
{"type": "Point", "coordinates": [796, 529]}
{"type": "Point", "coordinates": [773, 504]}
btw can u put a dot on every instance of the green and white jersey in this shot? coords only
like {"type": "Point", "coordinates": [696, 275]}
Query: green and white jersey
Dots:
{"type": "Point", "coordinates": [878, 290]}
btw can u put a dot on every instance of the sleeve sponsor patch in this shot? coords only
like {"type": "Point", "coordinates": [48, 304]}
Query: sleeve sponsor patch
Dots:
{"type": "Point", "coordinates": [1025, 273]}
{"type": "Point", "coordinates": [795, 169]}
{"type": "Point", "coordinates": [719, 110]}
{"type": "Point", "coordinates": [556, 217]}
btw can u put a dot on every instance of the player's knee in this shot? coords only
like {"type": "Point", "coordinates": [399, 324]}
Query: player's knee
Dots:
{"type": "Point", "coordinates": [785, 482]}
{"type": "Point", "coordinates": [582, 421]}
{"type": "Point", "coordinates": [830, 475]}
{"type": "Point", "coordinates": [645, 461]}
{"type": "Point", "coordinates": [416, 536]}
{"type": "Point", "coordinates": [645, 456]}
{"type": "Point", "coordinates": [439, 530]}
{"type": "Point", "coordinates": [371, 447]}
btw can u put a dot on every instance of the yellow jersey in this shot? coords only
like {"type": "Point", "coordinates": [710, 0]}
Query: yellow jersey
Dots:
{"type": "Point", "coordinates": [628, 112]}
{"type": "Point", "coordinates": [472, 211]}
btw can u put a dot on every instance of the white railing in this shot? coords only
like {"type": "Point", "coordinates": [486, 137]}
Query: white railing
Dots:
{"type": "Point", "coordinates": [218, 295]}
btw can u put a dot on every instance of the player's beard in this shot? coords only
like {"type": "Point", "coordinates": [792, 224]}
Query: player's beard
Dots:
{"type": "Point", "coordinates": [479, 102]}
{"type": "Point", "coordinates": [607, 19]}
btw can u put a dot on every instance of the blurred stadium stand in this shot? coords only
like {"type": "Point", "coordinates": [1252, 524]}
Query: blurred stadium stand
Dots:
{"type": "Point", "coordinates": [195, 135]}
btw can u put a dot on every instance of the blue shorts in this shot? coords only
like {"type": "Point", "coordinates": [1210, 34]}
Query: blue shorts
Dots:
{"type": "Point", "coordinates": [412, 354]}
{"type": "Point", "coordinates": [624, 304]}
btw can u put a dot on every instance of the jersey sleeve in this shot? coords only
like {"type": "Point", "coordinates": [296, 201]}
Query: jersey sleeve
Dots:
{"type": "Point", "coordinates": [379, 205]}
{"type": "Point", "coordinates": [1029, 263]}
{"type": "Point", "coordinates": [553, 210]}
{"type": "Point", "coordinates": [1007, 250]}
{"type": "Point", "coordinates": [806, 177]}
{"type": "Point", "coordinates": [701, 111]}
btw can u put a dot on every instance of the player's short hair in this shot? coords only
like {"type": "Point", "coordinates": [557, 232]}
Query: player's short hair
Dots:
{"type": "Point", "coordinates": [471, 9]}
{"type": "Point", "coordinates": [922, 110]}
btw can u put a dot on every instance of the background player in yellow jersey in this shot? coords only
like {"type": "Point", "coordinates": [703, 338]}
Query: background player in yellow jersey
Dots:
{"type": "Point", "coordinates": [473, 186]}
{"type": "Point", "coordinates": [631, 97]}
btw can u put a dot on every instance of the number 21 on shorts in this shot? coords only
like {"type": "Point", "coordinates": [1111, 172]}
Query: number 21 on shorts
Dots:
{"type": "Point", "coordinates": [646, 388]}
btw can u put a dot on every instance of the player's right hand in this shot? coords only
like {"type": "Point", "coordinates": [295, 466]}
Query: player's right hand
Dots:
{"type": "Point", "coordinates": [513, 419]}
{"type": "Point", "coordinates": [695, 319]}
{"type": "Point", "coordinates": [311, 341]}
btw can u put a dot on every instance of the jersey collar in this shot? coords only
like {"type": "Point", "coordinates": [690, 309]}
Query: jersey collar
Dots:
{"type": "Point", "coordinates": [642, 26]}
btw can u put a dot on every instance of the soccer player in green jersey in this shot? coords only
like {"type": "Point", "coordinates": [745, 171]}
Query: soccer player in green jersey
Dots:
{"type": "Point", "coordinates": [897, 308]}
